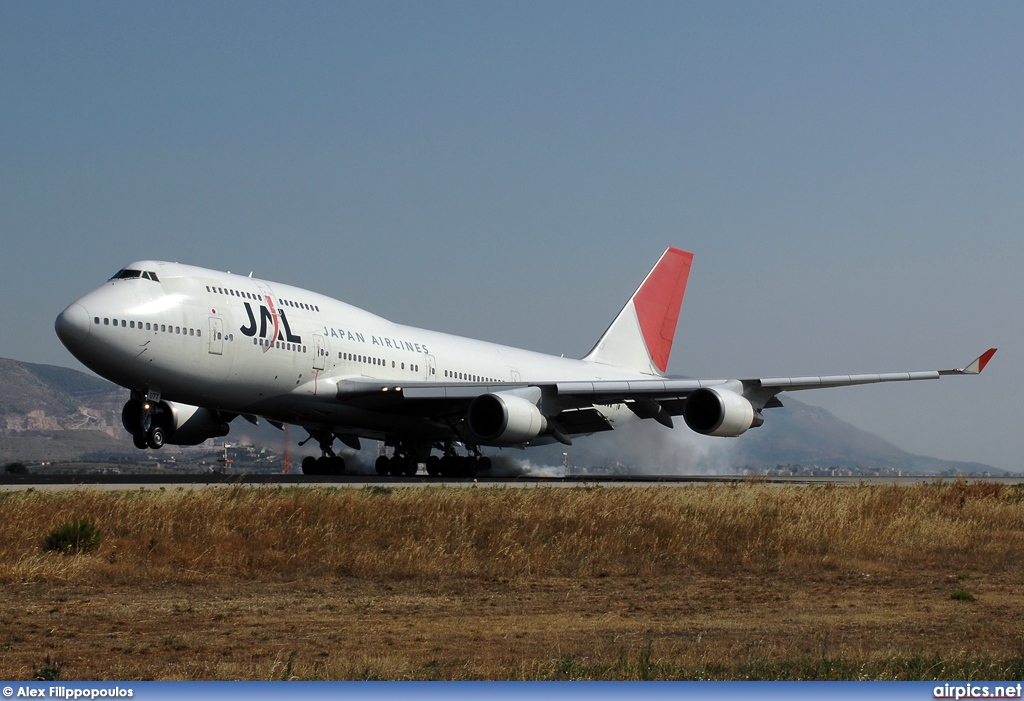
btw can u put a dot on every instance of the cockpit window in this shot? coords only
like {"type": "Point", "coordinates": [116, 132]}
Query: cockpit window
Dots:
{"type": "Point", "coordinates": [129, 274]}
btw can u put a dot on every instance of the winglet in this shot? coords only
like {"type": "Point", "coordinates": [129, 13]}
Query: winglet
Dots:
{"type": "Point", "coordinates": [974, 367]}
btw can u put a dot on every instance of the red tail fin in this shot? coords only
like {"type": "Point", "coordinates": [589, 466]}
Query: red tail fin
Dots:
{"type": "Point", "coordinates": [640, 338]}
{"type": "Point", "coordinates": [658, 302]}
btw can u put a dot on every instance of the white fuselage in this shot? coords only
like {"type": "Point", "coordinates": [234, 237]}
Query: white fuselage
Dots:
{"type": "Point", "coordinates": [243, 345]}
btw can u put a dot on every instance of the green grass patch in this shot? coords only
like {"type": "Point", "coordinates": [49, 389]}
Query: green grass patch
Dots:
{"type": "Point", "coordinates": [77, 535]}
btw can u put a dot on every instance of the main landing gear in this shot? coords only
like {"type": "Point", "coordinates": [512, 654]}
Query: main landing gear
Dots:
{"type": "Point", "coordinates": [405, 462]}
{"type": "Point", "coordinates": [397, 465]}
{"type": "Point", "coordinates": [328, 463]}
{"type": "Point", "coordinates": [452, 465]}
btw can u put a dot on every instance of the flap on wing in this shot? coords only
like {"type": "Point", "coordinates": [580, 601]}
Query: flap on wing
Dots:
{"type": "Point", "coordinates": [673, 406]}
{"type": "Point", "coordinates": [626, 388]}
{"type": "Point", "coordinates": [577, 421]}
{"type": "Point", "coordinates": [433, 399]}
{"type": "Point", "coordinates": [352, 388]}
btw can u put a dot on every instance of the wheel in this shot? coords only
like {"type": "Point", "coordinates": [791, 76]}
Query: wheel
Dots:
{"type": "Point", "coordinates": [323, 465]}
{"type": "Point", "coordinates": [483, 464]}
{"type": "Point", "coordinates": [469, 466]}
{"type": "Point", "coordinates": [309, 465]}
{"type": "Point", "coordinates": [131, 417]}
{"type": "Point", "coordinates": [411, 467]}
{"type": "Point", "coordinates": [383, 465]}
{"type": "Point", "coordinates": [139, 439]}
{"type": "Point", "coordinates": [397, 466]}
{"type": "Point", "coordinates": [156, 438]}
{"type": "Point", "coordinates": [433, 466]}
{"type": "Point", "coordinates": [337, 465]}
{"type": "Point", "coordinates": [448, 463]}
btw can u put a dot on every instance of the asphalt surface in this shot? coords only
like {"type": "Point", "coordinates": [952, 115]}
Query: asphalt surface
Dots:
{"type": "Point", "coordinates": [128, 481]}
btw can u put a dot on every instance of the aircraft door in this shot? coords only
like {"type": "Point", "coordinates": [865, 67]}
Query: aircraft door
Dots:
{"type": "Point", "coordinates": [216, 335]}
{"type": "Point", "coordinates": [319, 352]}
{"type": "Point", "coordinates": [431, 368]}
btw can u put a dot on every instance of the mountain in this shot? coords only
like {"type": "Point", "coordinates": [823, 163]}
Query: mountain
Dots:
{"type": "Point", "coordinates": [50, 413]}
{"type": "Point", "coordinates": [795, 439]}
{"type": "Point", "coordinates": [53, 413]}
{"type": "Point", "coordinates": [783, 439]}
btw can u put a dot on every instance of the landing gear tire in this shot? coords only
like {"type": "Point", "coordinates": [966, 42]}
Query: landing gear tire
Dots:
{"type": "Point", "coordinates": [483, 464]}
{"type": "Point", "coordinates": [309, 465]}
{"type": "Point", "coordinates": [433, 466]}
{"type": "Point", "coordinates": [156, 438]}
{"type": "Point", "coordinates": [139, 439]}
{"type": "Point", "coordinates": [337, 465]}
{"type": "Point", "coordinates": [411, 467]}
{"type": "Point", "coordinates": [397, 466]}
{"type": "Point", "coordinates": [383, 465]}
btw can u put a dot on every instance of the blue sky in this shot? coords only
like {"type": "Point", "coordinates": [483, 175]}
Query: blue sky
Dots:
{"type": "Point", "coordinates": [849, 176]}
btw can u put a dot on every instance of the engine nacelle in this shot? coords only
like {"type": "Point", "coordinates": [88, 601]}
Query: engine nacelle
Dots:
{"type": "Point", "coordinates": [183, 424]}
{"type": "Point", "coordinates": [505, 419]}
{"type": "Point", "coordinates": [720, 412]}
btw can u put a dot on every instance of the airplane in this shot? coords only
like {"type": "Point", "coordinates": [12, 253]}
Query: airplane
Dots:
{"type": "Point", "coordinates": [197, 348]}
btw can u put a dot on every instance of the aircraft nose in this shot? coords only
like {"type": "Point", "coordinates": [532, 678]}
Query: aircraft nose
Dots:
{"type": "Point", "coordinates": [72, 325]}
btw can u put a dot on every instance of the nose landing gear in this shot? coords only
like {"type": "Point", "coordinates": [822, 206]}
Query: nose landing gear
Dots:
{"type": "Point", "coordinates": [141, 419]}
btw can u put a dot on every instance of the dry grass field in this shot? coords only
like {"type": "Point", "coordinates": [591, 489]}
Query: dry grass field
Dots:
{"type": "Point", "coordinates": [695, 582]}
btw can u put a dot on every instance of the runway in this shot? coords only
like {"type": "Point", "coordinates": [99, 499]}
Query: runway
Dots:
{"type": "Point", "coordinates": [359, 481]}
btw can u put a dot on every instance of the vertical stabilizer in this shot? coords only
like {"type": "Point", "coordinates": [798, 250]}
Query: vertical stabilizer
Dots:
{"type": "Point", "coordinates": [640, 338]}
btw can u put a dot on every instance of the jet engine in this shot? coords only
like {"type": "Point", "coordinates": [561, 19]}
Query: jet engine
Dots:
{"type": "Point", "coordinates": [181, 424]}
{"type": "Point", "coordinates": [505, 419]}
{"type": "Point", "coordinates": [720, 412]}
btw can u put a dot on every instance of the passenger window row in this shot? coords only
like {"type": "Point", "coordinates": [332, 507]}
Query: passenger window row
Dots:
{"type": "Point", "coordinates": [469, 377]}
{"type": "Point", "coordinates": [256, 298]}
{"type": "Point", "coordinates": [233, 293]}
{"type": "Point", "coordinates": [295, 347]}
{"type": "Point", "coordinates": [162, 328]}
{"type": "Point", "coordinates": [299, 305]}
{"type": "Point", "coordinates": [370, 360]}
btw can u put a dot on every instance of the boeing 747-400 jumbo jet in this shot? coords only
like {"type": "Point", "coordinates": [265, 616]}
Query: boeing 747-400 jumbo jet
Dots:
{"type": "Point", "coordinates": [198, 348]}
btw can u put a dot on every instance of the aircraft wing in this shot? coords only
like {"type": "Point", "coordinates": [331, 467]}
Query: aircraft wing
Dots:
{"type": "Point", "coordinates": [759, 390]}
{"type": "Point", "coordinates": [574, 406]}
